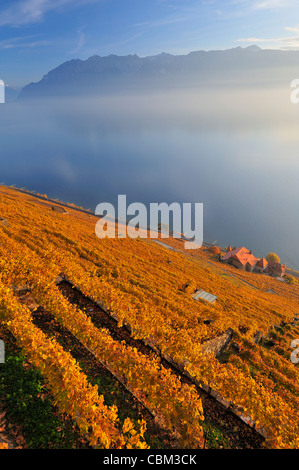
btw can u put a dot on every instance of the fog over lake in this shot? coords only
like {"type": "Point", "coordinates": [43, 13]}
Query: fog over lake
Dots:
{"type": "Point", "coordinates": [234, 150]}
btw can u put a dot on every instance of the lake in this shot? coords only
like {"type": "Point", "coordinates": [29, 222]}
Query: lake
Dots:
{"type": "Point", "coordinates": [235, 151]}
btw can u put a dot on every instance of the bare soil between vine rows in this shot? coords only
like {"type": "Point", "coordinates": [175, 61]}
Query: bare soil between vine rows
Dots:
{"type": "Point", "coordinates": [240, 435]}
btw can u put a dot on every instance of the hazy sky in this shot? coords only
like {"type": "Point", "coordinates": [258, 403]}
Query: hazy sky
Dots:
{"type": "Point", "coordinates": [38, 35]}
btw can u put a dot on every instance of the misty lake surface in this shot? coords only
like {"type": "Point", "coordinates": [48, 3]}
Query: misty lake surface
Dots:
{"type": "Point", "coordinates": [234, 151]}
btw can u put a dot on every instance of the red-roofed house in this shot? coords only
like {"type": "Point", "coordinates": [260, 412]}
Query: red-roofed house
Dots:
{"type": "Point", "coordinates": [241, 258]}
{"type": "Point", "coordinates": [244, 259]}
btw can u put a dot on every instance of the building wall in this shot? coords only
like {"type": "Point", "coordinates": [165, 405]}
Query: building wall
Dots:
{"type": "Point", "coordinates": [237, 264]}
{"type": "Point", "coordinates": [258, 269]}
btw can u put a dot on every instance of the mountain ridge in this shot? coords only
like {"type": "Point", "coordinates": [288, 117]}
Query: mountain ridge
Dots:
{"type": "Point", "coordinates": [114, 73]}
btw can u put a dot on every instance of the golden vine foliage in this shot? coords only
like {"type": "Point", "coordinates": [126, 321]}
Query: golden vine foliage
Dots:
{"type": "Point", "coordinates": [141, 282]}
{"type": "Point", "coordinates": [71, 390]}
{"type": "Point", "coordinates": [178, 404]}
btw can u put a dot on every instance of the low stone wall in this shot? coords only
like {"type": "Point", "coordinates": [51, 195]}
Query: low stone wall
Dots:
{"type": "Point", "coordinates": [217, 345]}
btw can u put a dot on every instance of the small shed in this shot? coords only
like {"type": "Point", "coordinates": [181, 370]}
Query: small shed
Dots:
{"type": "Point", "coordinates": [201, 294]}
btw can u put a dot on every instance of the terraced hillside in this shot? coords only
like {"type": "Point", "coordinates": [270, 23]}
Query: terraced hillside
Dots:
{"type": "Point", "coordinates": [118, 349]}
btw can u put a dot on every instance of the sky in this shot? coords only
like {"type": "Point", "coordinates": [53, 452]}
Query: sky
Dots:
{"type": "Point", "coordinates": [38, 35]}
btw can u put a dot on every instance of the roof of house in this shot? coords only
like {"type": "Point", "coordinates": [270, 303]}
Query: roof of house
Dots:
{"type": "Point", "coordinates": [242, 255]}
{"type": "Point", "coordinates": [262, 263]}
{"type": "Point", "coordinates": [230, 253]}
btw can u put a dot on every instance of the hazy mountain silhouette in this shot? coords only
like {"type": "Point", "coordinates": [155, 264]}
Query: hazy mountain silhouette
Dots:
{"type": "Point", "coordinates": [232, 67]}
